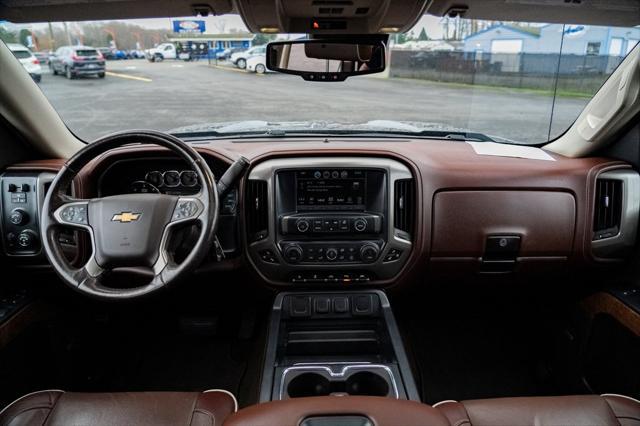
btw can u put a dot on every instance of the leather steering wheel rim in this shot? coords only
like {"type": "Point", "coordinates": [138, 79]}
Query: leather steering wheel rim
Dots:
{"type": "Point", "coordinates": [109, 219]}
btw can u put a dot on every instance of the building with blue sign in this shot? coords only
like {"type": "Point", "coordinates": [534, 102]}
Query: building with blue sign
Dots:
{"type": "Point", "coordinates": [578, 40]}
{"type": "Point", "coordinates": [585, 48]}
{"type": "Point", "coordinates": [216, 43]}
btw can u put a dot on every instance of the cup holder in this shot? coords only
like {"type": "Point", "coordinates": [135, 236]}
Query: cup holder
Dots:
{"type": "Point", "coordinates": [322, 383]}
{"type": "Point", "coordinates": [366, 383]}
{"type": "Point", "coordinates": [309, 384]}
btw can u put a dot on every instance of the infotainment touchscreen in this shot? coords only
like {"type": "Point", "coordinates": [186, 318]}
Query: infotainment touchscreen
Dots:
{"type": "Point", "coordinates": [336, 189]}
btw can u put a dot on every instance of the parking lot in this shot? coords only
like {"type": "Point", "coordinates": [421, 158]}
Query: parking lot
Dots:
{"type": "Point", "coordinates": [140, 94]}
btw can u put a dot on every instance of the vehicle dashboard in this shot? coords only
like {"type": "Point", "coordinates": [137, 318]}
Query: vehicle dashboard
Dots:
{"type": "Point", "coordinates": [318, 213]}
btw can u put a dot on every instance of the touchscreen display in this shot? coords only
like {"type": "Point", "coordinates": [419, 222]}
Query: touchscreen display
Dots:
{"type": "Point", "coordinates": [330, 188]}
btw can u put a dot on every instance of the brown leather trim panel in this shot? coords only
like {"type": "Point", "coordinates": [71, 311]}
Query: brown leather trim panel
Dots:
{"type": "Point", "coordinates": [462, 220]}
{"type": "Point", "coordinates": [54, 165]}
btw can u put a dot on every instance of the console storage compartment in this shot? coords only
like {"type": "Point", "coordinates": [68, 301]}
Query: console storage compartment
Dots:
{"type": "Point", "coordinates": [335, 343]}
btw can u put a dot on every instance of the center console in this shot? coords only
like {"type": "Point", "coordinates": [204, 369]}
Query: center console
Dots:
{"type": "Point", "coordinates": [335, 343]}
{"type": "Point", "coordinates": [329, 220]}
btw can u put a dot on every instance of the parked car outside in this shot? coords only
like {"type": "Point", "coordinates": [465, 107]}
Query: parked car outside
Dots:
{"type": "Point", "coordinates": [224, 54]}
{"type": "Point", "coordinates": [120, 54]}
{"type": "Point", "coordinates": [43, 57]}
{"type": "Point", "coordinates": [257, 64]}
{"type": "Point", "coordinates": [75, 61]}
{"type": "Point", "coordinates": [239, 59]}
{"type": "Point", "coordinates": [135, 54]}
{"type": "Point", "coordinates": [28, 60]}
{"type": "Point", "coordinates": [161, 52]}
{"type": "Point", "coordinates": [106, 52]}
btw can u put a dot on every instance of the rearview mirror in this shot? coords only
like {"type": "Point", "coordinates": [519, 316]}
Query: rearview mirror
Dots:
{"type": "Point", "coordinates": [326, 60]}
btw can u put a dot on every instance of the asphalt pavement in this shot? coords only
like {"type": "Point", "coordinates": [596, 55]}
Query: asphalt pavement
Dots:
{"type": "Point", "coordinates": [138, 94]}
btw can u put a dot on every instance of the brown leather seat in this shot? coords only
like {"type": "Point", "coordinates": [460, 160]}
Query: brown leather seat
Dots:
{"type": "Point", "coordinates": [381, 411]}
{"type": "Point", "coordinates": [583, 410]}
{"type": "Point", "coordinates": [54, 407]}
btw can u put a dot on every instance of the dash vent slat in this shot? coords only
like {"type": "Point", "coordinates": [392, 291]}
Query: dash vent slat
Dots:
{"type": "Point", "coordinates": [404, 206]}
{"type": "Point", "coordinates": [607, 208]}
{"type": "Point", "coordinates": [256, 210]}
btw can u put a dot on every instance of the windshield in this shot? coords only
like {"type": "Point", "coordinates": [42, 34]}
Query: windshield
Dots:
{"type": "Point", "coordinates": [462, 79]}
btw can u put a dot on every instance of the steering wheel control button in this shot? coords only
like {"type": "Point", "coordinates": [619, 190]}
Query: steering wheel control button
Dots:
{"type": "Point", "coordinates": [75, 214]}
{"type": "Point", "coordinates": [185, 209]}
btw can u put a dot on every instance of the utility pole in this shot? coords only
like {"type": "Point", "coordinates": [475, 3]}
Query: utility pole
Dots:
{"type": "Point", "coordinates": [52, 40]}
{"type": "Point", "coordinates": [66, 31]}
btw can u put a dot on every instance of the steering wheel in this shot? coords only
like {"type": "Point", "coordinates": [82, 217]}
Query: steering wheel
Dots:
{"type": "Point", "coordinates": [132, 230]}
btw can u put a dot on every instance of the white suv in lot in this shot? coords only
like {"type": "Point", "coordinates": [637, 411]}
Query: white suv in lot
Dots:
{"type": "Point", "coordinates": [239, 59]}
{"type": "Point", "coordinates": [28, 60]}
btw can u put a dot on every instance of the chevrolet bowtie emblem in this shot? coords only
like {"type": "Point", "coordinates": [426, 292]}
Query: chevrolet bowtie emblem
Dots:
{"type": "Point", "coordinates": [125, 217]}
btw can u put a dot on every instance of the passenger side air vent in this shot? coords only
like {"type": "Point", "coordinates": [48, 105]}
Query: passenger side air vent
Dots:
{"type": "Point", "coordinates": [607, 209]}
{"type": "Point", "coordinates": [256, 210]}
{"type": "Point", "coordinates": [404, 206]}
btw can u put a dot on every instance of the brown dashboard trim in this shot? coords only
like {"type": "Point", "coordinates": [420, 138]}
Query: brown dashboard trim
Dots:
{"type": "Point", "coordinates": [436, 165]}
{"type": "Point", "coordinates": [50, 165]}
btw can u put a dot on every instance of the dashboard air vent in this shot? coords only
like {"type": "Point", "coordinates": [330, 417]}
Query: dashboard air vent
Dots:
{"type": "Point", "coordinates": [256, 210]}
{"type": "Point", "coordinates": [607, 209]}
{"type": "Point", "coordinates": [404, 206]}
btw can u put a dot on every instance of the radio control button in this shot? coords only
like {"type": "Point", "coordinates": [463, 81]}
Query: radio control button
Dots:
{"type": "Point", "coordinates": [360, 224]}
{"type": "Point", "coordinates": [369, 253]}
{"type": "Point", "coordinates": [302, 225]}
{"type": "Point", "coordinates": [293, 253]}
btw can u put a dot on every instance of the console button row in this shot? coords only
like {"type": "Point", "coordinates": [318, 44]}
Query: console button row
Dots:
{"type": "Point", "coordinates": [338, 252]}
{"type": "Point", "coordinates": [322, 305]}
{"type": "Point", "coordinates": [331, 224]}
{"type": "Point", "coordinates": [329, 278]}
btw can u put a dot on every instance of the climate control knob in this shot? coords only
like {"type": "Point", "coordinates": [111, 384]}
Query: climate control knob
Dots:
{"type": "Point", "coordinates": [369, 252]}
{"type": "Point", "coordinates": [18, 217]}
{"type": "Point", "coordinates": [302, 225]}
{"type": "Point", "coordinates": [293, 253]}
{"type": "Point", "coordinates": [331, 254]}
{"type": "Point", "coordinates": [360, 224]}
